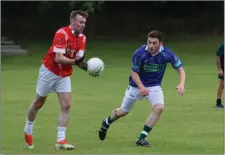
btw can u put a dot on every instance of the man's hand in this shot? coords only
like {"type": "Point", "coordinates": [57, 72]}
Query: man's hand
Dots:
{"type": "Point", "coordinates": [180, 89]}
{"type": "Point", "coordinates": [96, 74]}
{"type": "Point", "coordinates": [61, 59]}
{"type": "Point", "coordinates": [144, 91]}
{"type": "Point", "coordinates": [74, 61]}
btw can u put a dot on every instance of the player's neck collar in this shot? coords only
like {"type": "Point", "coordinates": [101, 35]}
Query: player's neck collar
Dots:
{"type": "Point", "coordinates": [79, 35]}
{"type": "Point", "coordinates": [160, 50]}
{"type": "Point", "coordinates": [71, 29]}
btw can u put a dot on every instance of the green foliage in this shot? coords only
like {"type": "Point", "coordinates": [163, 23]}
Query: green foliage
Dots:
{"type": "Point", "coordinates": [44, 6]}
{"type": "Point", "coordinates": [88, 6]}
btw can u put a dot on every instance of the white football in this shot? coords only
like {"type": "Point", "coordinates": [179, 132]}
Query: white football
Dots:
{"type": "Point", "coordinates": [95, 65]}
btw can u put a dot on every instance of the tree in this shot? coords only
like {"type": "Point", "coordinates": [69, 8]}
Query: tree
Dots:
{"type": "Point", "coordinates": [88, 6]}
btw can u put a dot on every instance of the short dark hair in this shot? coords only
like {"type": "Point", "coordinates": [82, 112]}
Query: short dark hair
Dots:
{"type": "Point", "coordinates": [156, 34]}
{"type": "Point", "coordinates": [78, 12]}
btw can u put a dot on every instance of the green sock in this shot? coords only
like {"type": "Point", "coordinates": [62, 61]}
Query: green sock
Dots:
{"type": "Point", "coordinates": [145, 132]}
{"type": "Point", "coordinates": [218, 101]}
{"type": "Point", "coordinates": [110, 120]}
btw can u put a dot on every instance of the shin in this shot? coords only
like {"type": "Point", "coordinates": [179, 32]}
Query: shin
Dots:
{"type": "Point", "coordinates": [65, 103]}
{"type": "Point", "coordinates": [117, 113]}
{"type": "Point", "coordinates": [155, 115]}
{"type": "Point", "coordinates": [220, 89]}
{"type": "Point", "coordinates": [32, 112]}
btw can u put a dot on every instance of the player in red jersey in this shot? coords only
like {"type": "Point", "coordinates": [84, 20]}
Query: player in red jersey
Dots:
{"type": "Point", "coordinates": [67, 49]}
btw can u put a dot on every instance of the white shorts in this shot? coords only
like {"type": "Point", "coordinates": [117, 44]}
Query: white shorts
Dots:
{"type": "Point", "coordinates": [133, 94]}
{"type": "Point", "coordinates": [48, 82]}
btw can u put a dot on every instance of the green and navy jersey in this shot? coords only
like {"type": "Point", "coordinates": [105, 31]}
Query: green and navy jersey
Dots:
{"type": "Point", "coordinates": [151, 68]}
{"type": "Point", "coordinates": [220, 53]}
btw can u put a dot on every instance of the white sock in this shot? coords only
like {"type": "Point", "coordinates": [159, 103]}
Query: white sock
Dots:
{"type": "Point", "coordinates": [28, 127]}
{"type": "Point", "coordinates": [61, 133]}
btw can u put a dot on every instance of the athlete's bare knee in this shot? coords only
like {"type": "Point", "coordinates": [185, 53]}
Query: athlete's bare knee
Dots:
{"type": "Point", "coordinates": [65, 101]}
{"type": "Point", "coordinates": [65, 105]}
{"type": "Point", "coordinates": [158, 108]}
{"type": "Point", "coordinates": [38, 102]}
{"type": "Point", "coordinates": [118, 112]}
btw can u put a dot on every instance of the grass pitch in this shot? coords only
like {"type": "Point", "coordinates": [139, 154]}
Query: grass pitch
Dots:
{"type": "Point", "coordinates": [189, 124]}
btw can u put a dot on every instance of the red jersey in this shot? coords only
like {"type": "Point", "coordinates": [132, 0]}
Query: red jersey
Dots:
{"type": "Point", "coordinates": [70, 45]}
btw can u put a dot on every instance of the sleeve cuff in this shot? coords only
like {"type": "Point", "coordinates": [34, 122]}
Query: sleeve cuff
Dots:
{"type": "Point", "coordinates": [80, 53]}
{"type": "Point", "coordinates": [59, 50]}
